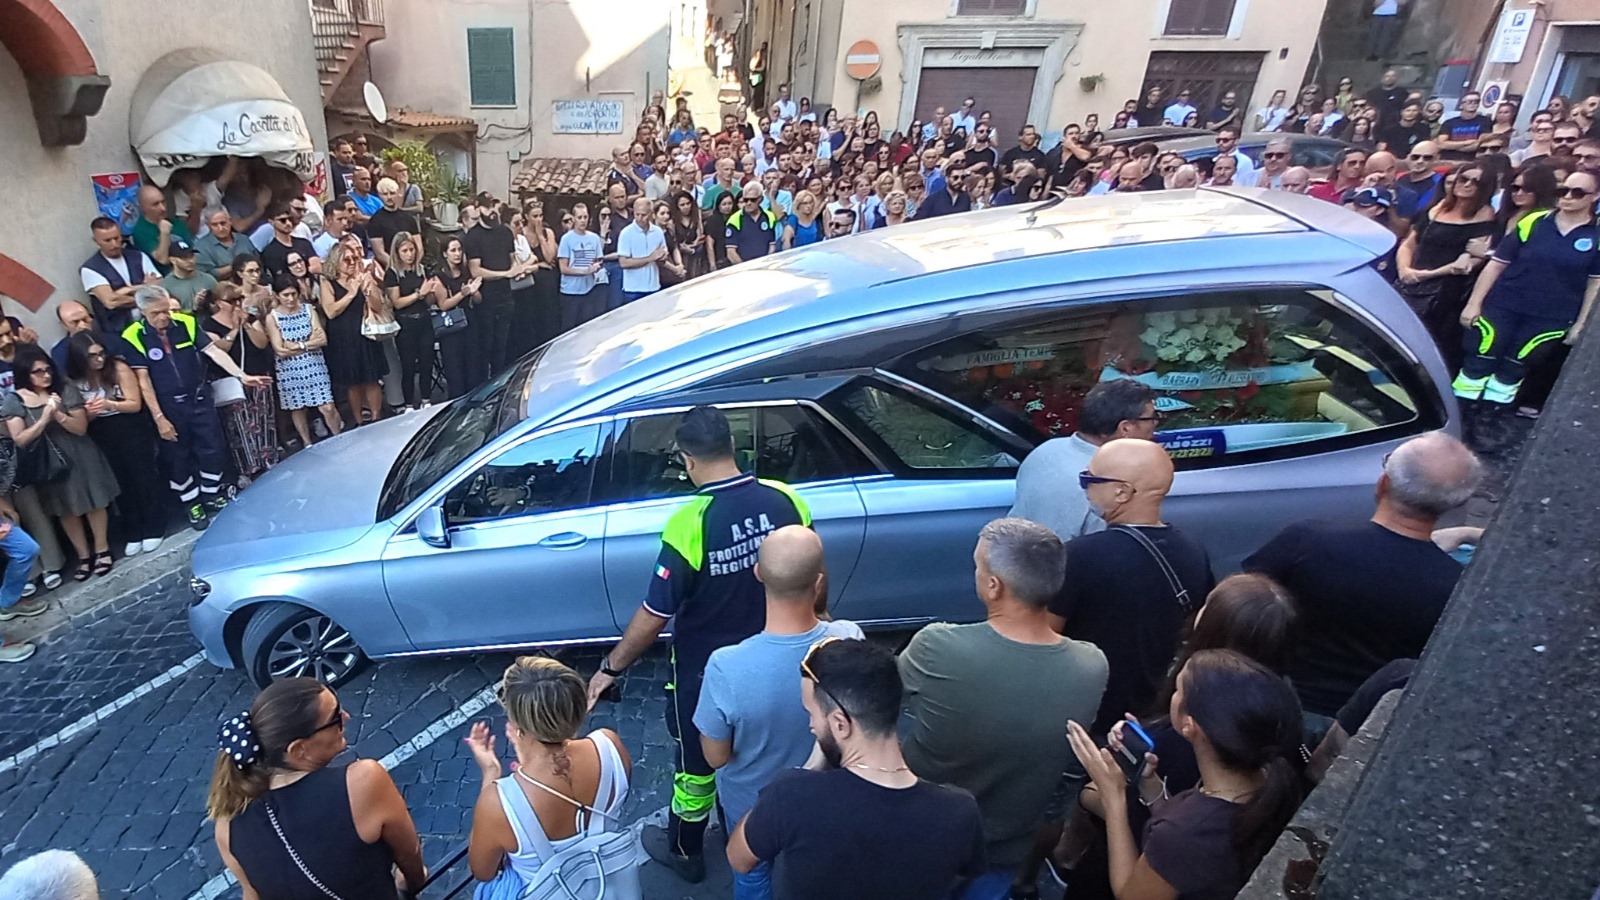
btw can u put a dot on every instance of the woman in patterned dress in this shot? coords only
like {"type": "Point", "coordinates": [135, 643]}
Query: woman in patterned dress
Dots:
{"type": "Point", "coordinates": [251, 424]}
{"type": "Point", "coordinates": [297, 340]}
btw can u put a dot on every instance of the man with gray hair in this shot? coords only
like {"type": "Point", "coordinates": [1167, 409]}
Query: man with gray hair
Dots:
{"type": "Point", "coordinates": [1047, 482]}
{"type": "Point", "coordinates": [1370, 592]}
{"type": "Point", "coordinates": [51, 875]}
{"type": "Point", "coordinates": [989, 703]}
{"type": "Point", "coordinates": [1275, 159]}
{"type": "Point", "coordinates": [167, 351]}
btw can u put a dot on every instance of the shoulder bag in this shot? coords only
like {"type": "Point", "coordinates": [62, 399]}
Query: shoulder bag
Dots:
{"type": "Point", "coordinates": [41, 462]}
{"type": "Point", "coordinates": [299, 863]}
{"type": "Point", "coordinates": [1179, 592]}
{"type": "Point", "coordinates": [378, 325]}
{"type": "Point", "coordinates": [229, 389]}
{"type": "Point", "coordinates": [448, 321]}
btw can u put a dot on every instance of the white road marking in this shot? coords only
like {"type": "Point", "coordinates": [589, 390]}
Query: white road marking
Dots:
{"type": "Point", "coordinates": [218, 884]}
{"type": "Point", "coordinates": [88, 722]}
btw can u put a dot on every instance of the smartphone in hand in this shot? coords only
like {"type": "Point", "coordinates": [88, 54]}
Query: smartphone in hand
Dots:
{"type": "Point", "coordinates": [1136, 742]}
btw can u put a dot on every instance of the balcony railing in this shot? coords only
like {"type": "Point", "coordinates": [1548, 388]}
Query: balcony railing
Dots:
{"type": "Point", "coordinates": [336, 23]}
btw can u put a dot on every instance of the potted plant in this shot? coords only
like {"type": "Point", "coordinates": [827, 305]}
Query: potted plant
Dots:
{"type": "Point", "coordinates": [1090, 82]}
{"type": "Point", "coordinates": [449, 190]}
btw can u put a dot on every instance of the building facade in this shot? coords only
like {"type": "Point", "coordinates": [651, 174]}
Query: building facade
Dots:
{"type": "Point", "coordinates": [84, 81]}
{"type": "Point", "coordinates": [540, 78]}
{"type": "Point", "coordinates": [1538, 50]}
{"type": "Point", "coordinates": [1045, 62]}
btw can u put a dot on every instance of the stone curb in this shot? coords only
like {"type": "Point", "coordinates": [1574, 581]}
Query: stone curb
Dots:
{"type": "Point", "coordinates": [77, 604]}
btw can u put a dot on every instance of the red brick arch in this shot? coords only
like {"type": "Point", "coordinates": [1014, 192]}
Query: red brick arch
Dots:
{"type": "Point", "coordinates": [42, 41]}
{"type": "Point", "coordinates": [64, 85]}
{"type": "Point", "coordinates": [23, 285]}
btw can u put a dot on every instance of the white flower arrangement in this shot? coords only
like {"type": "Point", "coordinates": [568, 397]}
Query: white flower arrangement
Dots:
{"type": "Point", "coordinates": [1194, 337]}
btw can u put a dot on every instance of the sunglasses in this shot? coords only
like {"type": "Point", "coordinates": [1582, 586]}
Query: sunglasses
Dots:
{"type": "Point", "coordinates": [1086, 478]}
{"type": "Point", "coordinates": [284, 219]}
{"type": "Point", "coordinates": [42, 370]}
{"type": "Point", "coordinates": [1422, 157]}
{"type": "Point", "coordinates": [806, 671]}
{"type": "Point", "coordinates": [336, 722]}
{"type": "Point", "coordinates": [1274, 156]}
{"type": "Point", "coordinates": [1574, 193]}
{"type": "Point", "coordinates": [1519, 187]}
{"type": "Point", "coordinates": [1565, 140]}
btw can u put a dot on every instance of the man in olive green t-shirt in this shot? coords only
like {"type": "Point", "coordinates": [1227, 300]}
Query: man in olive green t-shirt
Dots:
{"type": "Point", "coordinates": [989, 703]}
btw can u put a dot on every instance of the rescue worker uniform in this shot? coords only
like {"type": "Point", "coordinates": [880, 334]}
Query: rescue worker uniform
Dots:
{"type": "Point", "coordinates": [194, 463]}
{"type": "Point", "coordinates": [1531, 308]}
{"type": "Point", "coordinates": [705, 582]}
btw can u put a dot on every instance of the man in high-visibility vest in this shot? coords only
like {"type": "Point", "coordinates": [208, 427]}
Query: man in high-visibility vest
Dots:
{"type": "Point", "coordinates": [705, 584]}
{"type": "Point", "coordinates": [166, 354]}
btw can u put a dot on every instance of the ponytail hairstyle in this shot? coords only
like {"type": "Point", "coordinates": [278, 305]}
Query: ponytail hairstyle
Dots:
{"type": "Point", "coordinates": [1251, 718]}
{"type": "Point", "coordinates": [1248, 613]}
{"type": "Point", "coordinates": [547, 701]}
{"type": "Point", "coordinates": [255, 743]}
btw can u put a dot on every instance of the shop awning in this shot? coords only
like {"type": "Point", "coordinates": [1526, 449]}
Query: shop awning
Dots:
{"type": "Point", "coordinates": [195, 104]}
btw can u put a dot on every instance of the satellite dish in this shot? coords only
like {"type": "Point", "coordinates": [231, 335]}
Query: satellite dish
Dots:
{"type": "Point", "coordinates": [378, 109]}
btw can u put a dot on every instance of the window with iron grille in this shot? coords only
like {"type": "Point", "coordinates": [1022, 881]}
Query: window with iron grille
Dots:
{"type": "Point", "coordinates": [1199, 17]}
{"type": "Point", "coordinates": [991, 7]}
{"type": "Point", "coordinates": [492, 66]}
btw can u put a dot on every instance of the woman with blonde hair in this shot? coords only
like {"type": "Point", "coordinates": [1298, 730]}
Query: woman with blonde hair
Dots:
{"type": "Point", "coordinates": [350, 291]}
{"type": "Point", "coordinates": [409, 287]}
{"type": "Point", "coordinates": [289, 824]}
{"type": "Point", "coordinates": [804, 225]}
{"type": "Point", "coordinates": [564, 791]}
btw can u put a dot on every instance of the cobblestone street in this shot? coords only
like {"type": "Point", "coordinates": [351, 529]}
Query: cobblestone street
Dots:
{"type": "Point", "coordinates": [125, 787]}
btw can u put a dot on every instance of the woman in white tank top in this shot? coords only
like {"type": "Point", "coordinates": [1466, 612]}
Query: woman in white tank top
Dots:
{"type": "Point", "coordinates": [564, 791]}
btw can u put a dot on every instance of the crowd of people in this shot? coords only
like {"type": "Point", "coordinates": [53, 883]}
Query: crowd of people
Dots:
{"type": "Point", "coordinates": [1119, 715]}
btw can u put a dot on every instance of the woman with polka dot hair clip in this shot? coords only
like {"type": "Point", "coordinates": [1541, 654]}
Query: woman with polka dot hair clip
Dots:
{"type": "Point", "coordinates": [290, 824]}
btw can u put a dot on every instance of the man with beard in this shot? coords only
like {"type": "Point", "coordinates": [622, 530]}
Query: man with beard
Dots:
{"type": "Point", "coordinates": [866, 826]}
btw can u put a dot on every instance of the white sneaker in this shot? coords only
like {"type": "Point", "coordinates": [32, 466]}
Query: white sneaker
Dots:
{"type": "Point", "coordinates": [29, 589]}
{"type": "Point", "coordinates": [15, 653]}
{"type": "Point", "coordinates": [132, 548]}
{"type": "Point", "coordinates": [52, 580]}
{"type": "Point", "coordinates": [150, 545]}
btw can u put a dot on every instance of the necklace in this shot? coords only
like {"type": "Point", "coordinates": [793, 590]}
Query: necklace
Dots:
{"type": "Point", "coordinates": [885, 769]}
{"type": "Point", "coordinates": [1230, 796]}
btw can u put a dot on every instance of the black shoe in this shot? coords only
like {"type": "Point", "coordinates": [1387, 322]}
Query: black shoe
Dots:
{"type": "Point", "coordinates": [215, 504]}
{"type": "Point", "coordinates": [656, 843]}
{"type": "Point", "coordinates": [197, 517]}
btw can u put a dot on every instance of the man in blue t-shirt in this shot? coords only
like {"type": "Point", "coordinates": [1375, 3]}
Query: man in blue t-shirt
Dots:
{"type": "Point", "coordinates": [752, 724]}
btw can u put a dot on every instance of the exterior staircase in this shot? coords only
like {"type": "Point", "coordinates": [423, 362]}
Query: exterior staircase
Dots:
{"type": "Point", "coordinates": [340, 32]}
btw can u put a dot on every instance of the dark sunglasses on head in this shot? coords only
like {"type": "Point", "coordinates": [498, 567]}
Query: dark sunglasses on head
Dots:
{"type": "Point", "coordinates": [805, 666]}
{"type": "Point", "coordinates": [1086, 478]}
{"type": "Point", "coordinates": [1574, 193]}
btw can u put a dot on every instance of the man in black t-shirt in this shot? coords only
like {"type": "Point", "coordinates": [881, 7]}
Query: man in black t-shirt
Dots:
{"type": "Point", "coordinates": [1398, 137]}
{"type": "Point", "coordinates": [491, 250]}
{"type": "Point", "coordinates": [1151, 112]}
{"type": "Point", "coordinates": [866, 827]}
{"type": "Point", "coordinates": [1130, 589]}
{"type": "Point", "coordinates": [390, 221]}
{"type": "Point", "coordinates": [275, 255]}
{"type": "Point", "coordinates": [1371, 592]}
{"type": "Point", "coordinates": [982, 150]}
{"type": "Point", "coordinates": [1388, 97]}
{"type": "Point", "coordinates": [1027, 149]}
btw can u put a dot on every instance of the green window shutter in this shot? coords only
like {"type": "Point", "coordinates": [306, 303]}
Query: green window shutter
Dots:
{"type": "Point", "coordinates": [492, 66]}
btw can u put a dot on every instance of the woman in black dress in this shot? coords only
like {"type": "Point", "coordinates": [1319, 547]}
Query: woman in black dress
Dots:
{"type": "Point", "coordinates": [288, 824]}
{"type": "Point", "coordinates": [716, 227]}
{"type": "Point", "coordinates": [456, 290]}
{"type": "Point", "coordinates": [127, 437]}
{"type": "Point", "coordinates": [350, 289]}
{"type": "Point", "coordinates": [1435, 262]}
{"type": "Point", "coordinates": [688, 228]}
{"type": "Point", "coordinates": [546, 280]}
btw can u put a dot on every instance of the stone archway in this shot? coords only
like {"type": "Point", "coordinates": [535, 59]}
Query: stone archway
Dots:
{"type": "Point", "coordinates": [64, 85]}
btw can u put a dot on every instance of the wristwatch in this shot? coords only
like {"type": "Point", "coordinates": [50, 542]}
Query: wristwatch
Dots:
{"type": "Point", "coordinates": [606, 670]}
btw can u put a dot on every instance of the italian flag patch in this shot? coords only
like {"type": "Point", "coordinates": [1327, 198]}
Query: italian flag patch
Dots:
{"type": "Point", "coordinates": [662, 573]}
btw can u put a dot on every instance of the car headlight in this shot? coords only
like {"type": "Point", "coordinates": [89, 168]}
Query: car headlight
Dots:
{"type": "Point", "coordinates": [200, 588]}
